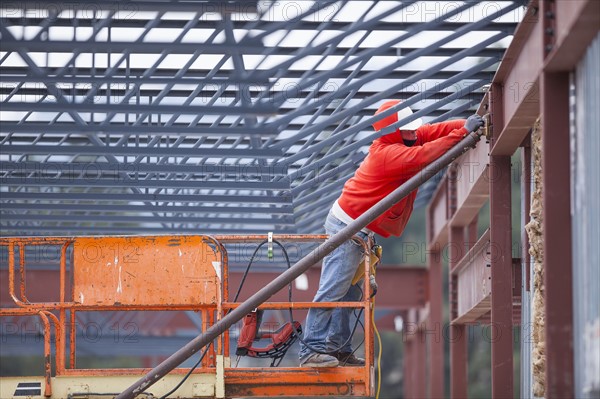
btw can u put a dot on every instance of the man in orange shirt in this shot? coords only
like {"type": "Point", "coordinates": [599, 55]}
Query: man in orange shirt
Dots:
{"type": "Point", "coordinates": [392, 160]}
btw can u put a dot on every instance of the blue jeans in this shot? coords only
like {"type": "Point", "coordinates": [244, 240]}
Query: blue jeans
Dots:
{"type": "Point", "coordinates": [328, 329]}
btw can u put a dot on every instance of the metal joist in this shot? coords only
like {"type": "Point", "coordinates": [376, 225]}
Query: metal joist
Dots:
{"type": "Point", "coordinates": [178, 126]}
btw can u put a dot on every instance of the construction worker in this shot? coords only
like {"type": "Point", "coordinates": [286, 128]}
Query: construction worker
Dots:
{"type": "Point", "coordinates": [392, 159]}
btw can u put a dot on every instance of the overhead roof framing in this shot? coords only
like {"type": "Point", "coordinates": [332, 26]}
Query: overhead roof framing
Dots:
{"type": "Point", "coordinates": [218, 116]}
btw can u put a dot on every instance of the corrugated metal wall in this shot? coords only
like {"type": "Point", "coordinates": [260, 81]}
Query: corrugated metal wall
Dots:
{"type": "Point", "coordinates": [585, 178]}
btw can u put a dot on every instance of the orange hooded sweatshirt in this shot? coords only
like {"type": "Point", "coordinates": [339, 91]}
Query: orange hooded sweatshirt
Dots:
{"type": "Point", "coordinates": [388, 165]}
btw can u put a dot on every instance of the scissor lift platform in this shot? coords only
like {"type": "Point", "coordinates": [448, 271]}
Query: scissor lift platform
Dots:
{"type": "Point", "coordinates": [159, 273]}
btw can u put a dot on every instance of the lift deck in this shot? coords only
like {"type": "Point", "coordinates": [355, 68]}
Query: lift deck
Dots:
{"type": "Point", "coordinates": [160, 273]}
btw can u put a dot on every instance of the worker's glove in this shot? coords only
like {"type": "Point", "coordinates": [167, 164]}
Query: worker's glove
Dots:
{"type": "Point", "coordinates": [473, 123]}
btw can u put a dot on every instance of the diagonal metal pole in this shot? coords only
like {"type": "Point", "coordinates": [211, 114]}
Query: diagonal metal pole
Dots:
{"type": "Point", "coordinates": [300, 267]}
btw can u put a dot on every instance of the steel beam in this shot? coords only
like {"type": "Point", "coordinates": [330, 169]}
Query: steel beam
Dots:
{"type": "Point", "coordinates": [104, 218]}
{"type": "Point", "coordinates": [140, 151]}
{"type": "Point", "coordinates": [420, 365]}
{"type": "Point", "coordinates": [172, 209]}
{"type": "Point", "coordinates": [410, 32]}
{"type": "Point", "coordinates": [248, 46]}
{"type": "Point", "coordinates": [458, 332]}
{"type": "Point", "coordinates": [435, 324]}
{"type": "Point", "coordinates": [193, 76]}
{"type": "Point", "coordinates": [558, 263]}
{"type": "Point", "coordinates": [576, 25]}
{"type": "Point", "coordinates": [501, 273]}
{"type": "Point", "coordinates": [566, 31]}
{"type": "Point", "coordinates": [52, 89]}
{"type": "Point", "coordinates": [124, 128]}
{"type": "Point", "coordinates": [167, 23]}
{"type": "Point", "coordinates": [141, 108]}
{"type": "Point", "coordinates": [408, 369]}
{"type": "Point", "coordinates": [461, 110]}
{"type": "Point", "coordinates": [369, 139]}
{"type": "Point", "coordinates": [247, 172]}
{"type": "Point", "coordinates": [140, 182]}
{"type": "Point", "coordinates": [322, 177]}
{"type": "Point", "coordinates": [117, 92]}
{"type": "Point", "coordinates": [352, 27]}
{"type": "Point", "coordinates": [183, 198]}
{"type": "Point", "coordinates": [391, 91]}
{"type": "Point", "coordinates": [324, 190]}
{"type": "Point", "coordinates": [132, 7]}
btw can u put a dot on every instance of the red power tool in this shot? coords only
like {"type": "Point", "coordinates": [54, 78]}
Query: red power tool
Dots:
{"type": "Point", "coordinates": [281, 340]}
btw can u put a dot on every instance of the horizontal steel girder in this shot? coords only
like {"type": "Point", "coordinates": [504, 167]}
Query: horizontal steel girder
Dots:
{"type": "Point", "coordinates": [103, 218]}
{"type": "Point", "coordinates": [183, 198]}
{"type": "Point", "coordinates": [117, 92]}
{"type": "Point", "coordinates": [130, 8]}
{"type": "Point", "coordinates": [141, 182]}
{"type": "Point", "coordinates": [193, 76]}
{"type": "Point", "coordinates": [207, 24]}
{"type": "Point", "coordinates": [173, 209]}
{"type": "Point", "coordinates": [250, 48]}
{"type": "Point", "coordinates": [150, 127]}
{"type": "Point", "coordinates": [141, 108]}
{"type": "Point", "coordinates": [141, 151]}
{"type": "Point", "coordinates": [242, 172]}
{"type": "Point", "coordinates": [43, 229]}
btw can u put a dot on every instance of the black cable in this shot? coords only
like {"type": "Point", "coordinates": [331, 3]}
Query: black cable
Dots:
{"type": "Point", "coordinates": [188, 374]}
{"type": "Point", "coordinates": [289, 265]}
{"type": "Point", "coordinates": [274, 363]}
{"type": "Point", "coordinates": [248, 269]}
{"type": "Point", "coordinates": [362, 325]}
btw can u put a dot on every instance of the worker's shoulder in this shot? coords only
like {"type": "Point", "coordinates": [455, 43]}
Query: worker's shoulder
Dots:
{"type": "Point", "coordinates": [382, 148]}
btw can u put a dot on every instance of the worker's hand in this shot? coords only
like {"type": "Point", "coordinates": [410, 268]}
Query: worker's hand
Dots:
{"type": "Point", "coordinates": [473, 123]}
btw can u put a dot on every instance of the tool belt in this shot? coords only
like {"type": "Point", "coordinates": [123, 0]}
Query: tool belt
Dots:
{"type": "Point", "coordinates": [375, 253]}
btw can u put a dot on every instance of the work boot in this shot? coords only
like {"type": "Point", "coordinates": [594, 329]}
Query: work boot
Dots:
{"type": "Point", "coordinates": [319, 360]}
{"type": "Point", "coordinates": [348, 359]}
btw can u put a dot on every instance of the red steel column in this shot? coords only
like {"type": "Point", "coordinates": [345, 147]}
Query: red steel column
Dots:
{"type": "Point", "coordinates": [458, 332]}
{"type": "Point", "coordinates": [557, 235]}
{"type": "Point", "coordinates": [501, 260]}
{"type": "Point", "coordinates": [501, 263]}
{"type": "Point", "coordinates": [435, 329]}
{"type": "Point", "coordinates": [420, 365]}
{"type": "Point", "coordinates": [408, 367]}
